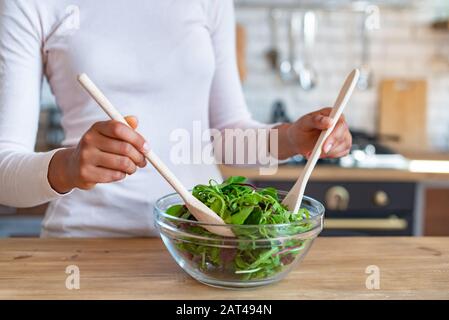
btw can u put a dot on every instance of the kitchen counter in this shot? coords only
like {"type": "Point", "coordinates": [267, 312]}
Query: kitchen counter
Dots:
{"type": "Point", "coordinates": [424, 167]}
{"type": "Point", "coordinates": [410, 268]}
{"type": "Point", "coordinates": [289, 172]}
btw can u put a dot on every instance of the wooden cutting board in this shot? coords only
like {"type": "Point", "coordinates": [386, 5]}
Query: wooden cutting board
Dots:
{"type": "Point", "coordinates": [403, 112]}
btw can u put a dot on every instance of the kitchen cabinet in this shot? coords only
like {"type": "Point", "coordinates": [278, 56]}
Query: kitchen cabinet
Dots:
{"type": "Point", "coordinates": [361, 208]}
{"type": "Point", "coordinates": [334, 268]}
{"type": "Point", "coordinates": [21, 222]}
{"type": "Point", "coordinates": [436, 211]}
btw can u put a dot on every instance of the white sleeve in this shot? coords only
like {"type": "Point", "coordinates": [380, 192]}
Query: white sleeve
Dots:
{"type": "Point", "coordinates": [23, 173]}
{"type": "Point", "coordinates": [227, 106]}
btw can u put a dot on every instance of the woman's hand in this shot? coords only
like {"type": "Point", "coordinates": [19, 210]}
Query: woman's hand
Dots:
{"type": "Point", "coordinates": [107, 152]}
{"type": "Point", "coordinates": [300, 137]}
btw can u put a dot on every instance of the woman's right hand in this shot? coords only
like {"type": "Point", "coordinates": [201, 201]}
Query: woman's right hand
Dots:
{"type": "Point", "coordinates": [107, 152]}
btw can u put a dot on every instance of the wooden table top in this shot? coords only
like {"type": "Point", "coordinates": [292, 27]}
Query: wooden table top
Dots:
{"type": "Point", "coordinates": [410, 268]}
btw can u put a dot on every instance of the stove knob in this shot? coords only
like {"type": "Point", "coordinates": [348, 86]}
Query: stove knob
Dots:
{"type": "Point", "coordinates": [337, 198]}
{"type": "Point", "coordinates": [381, 198]}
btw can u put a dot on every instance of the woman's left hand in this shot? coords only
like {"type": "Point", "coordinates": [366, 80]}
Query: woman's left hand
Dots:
{"type": "Point", "coordinates": [303, 134]}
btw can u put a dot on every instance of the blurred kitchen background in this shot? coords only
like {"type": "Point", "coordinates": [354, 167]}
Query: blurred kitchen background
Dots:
{"type": "Point", "coordinates": [293, 56]}
{"type": "Point", "coordinates": [392, 39]}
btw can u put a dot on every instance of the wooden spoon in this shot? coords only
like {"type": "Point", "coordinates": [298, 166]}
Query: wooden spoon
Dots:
{"type": "Point", "coordinates": [198, 209]}
{"type": "Point", "coordinates": [294, 197]}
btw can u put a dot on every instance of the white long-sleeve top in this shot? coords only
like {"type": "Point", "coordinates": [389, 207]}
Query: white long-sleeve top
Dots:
{"type": "Point", "coordinates": [171, 63]}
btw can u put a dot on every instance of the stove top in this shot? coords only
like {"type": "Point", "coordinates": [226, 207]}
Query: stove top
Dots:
{"type": "Point", "coordinates": [367, 152]}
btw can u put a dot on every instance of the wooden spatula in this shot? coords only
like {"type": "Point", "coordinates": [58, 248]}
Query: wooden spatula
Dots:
{"type": "Point", "coordinates": [198, 209]}
{"type": "Point", "coordinates": [294, 197]}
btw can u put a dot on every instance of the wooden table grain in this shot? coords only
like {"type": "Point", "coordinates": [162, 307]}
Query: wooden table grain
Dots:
{"type": "Point", "coordinates": [335, 268]}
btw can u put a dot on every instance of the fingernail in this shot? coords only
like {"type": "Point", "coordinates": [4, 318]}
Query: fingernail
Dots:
{"type": "Point", "coordinates": [145, 147]}
{"type": "Point", "coordinates": [328, 148]}
{"type": "Point", "coordinates": [142, 165]}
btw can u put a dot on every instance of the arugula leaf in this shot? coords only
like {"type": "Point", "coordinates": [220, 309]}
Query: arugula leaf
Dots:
{"type": "Point", "coordinates": [254, 217]}
{"type": "Point", "coordinates": [176, 210]}
{"type": "Point", "coordinates": [234, 180]}
{"type": "Point", "coordinates": [242, 215]}
{"type": "Point", "coordinates": [271, 192]}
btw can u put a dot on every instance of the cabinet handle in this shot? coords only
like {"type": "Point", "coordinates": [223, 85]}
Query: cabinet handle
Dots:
{"type": "Point", "coordinates": [392, 223]}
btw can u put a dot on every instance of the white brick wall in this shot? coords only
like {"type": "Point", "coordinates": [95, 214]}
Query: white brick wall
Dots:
{"type": "Point", "coordinates": [405, 46]}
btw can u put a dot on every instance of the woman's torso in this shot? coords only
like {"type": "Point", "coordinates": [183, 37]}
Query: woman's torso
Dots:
{"type": "Point", "coordinates": [153, 59]}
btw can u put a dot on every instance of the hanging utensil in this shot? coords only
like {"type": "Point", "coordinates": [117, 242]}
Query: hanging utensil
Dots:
{"type": "Point", "coordinates": [370, 22]}
{"type": "Point", "coordinates": [287, 71]}
{"type": "Point", "coordinates": [306, 74]}
{"type": "Point", "coordinates": [272, 54]}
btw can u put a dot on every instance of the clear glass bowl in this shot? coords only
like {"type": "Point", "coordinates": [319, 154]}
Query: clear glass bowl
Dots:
{"type": "Point", "coordinates": [257, 256]}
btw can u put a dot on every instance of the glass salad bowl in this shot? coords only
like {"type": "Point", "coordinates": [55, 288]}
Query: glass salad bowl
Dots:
{"type": "Point", "coordinates": [257, 256]}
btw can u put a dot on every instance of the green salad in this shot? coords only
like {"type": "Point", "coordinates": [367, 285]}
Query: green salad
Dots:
{"type": "Point", "coordinates": [240, 204]}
